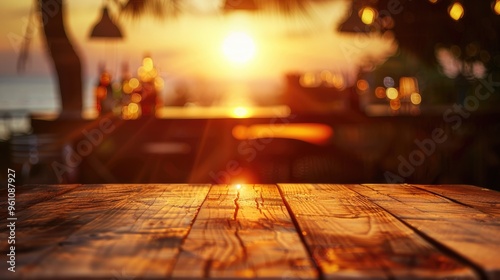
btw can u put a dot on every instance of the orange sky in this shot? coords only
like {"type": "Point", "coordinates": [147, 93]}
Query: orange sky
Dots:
{"type": "Point", "coordinates": [190, 47]}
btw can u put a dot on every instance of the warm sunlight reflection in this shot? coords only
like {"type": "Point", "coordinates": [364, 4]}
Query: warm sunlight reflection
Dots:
{"type": "Point", "coordinates": [239, 47]}
{"type": "Point", "coordinates": [203, 53]}
{"type": "Point", "coordinates": [238, 186]}
{"type": "Point", "coordinates": [308, 132]}
{"type": "Point", "coordinates": [240, 112]}
{"type": "Point", "coordinates": [214, 112]}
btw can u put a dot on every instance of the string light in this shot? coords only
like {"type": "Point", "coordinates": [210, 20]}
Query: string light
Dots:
{"type": "Point", "coordinates": [368, 15]}
{"type": "Point", "coordinates": [456, 11]}
{"type": "Point", "coordinates": [496, 7]}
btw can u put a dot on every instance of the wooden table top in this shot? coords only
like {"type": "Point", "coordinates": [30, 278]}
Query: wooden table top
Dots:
{"type": "Point", "coordinates": [285, 231]}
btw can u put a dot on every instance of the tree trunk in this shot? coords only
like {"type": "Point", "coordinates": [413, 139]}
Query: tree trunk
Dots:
{"type": "Point", "coordinates": [65, 60]}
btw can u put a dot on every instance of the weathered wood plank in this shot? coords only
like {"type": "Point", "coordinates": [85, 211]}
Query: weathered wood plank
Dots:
{"type": "Point", "coordinates": [135, 232]}
{"type": "Point", "coordinates": [351, 237]}
{"type": "Point", "coordinates": [484, 200]}
{"type": "Point", "coordinates": [245, 232]}
{"type": "Point", "coordinates": [41, 227]}
{"type": "Point", "coordinates": [29, 195]}
{"type": "Point", "coordinates": [107, 232]}
{"type": "Point", "coordinates": [465, 230]}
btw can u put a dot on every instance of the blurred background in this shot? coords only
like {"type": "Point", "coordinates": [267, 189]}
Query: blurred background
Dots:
{"type": "Point", "coordinates": [251, 91]}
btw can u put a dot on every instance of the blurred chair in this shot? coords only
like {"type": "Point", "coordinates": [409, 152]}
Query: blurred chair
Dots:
{"type": "Point", "coordinates": [34, 154]}
{"type": "Point", "coordinates": [295, 161]}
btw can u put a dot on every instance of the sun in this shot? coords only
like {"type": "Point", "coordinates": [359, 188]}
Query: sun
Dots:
{"type": "Point", "coordinates": [238, 47]}
{"type": "Point", "coordinates": [240, 112]}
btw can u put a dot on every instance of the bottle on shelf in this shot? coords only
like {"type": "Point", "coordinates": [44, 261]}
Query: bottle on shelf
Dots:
{"type": "Point", "coordinates": [103, 92]}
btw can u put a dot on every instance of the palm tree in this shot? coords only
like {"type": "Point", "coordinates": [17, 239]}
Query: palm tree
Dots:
{"type": "Point", "coordinates": [65, 59]}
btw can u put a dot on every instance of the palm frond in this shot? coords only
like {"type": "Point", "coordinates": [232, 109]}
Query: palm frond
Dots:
{"type": "Point", "coordinates": [286, 7]}
{"type": "Point", "coordinates": [28, 36]}
{"type": "Point", "coordinates": [160, 9]}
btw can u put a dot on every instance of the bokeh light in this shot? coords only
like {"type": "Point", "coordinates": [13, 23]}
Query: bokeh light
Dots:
{"type": "Point", "coordinates": [392, 93]}
{"type": "Point", "coordinates": [338, 81]}
{"type": "Point", "coordinates": [389, 82]}
{"type": "Point", "coordinates": [362, 85]}
{"type": "Point", "coordinates": [416, 98]}
{"type": "Point", "coordinates": [456, 11]}
{"type": "Point", "coordinates": [136, 98]}
{"type": "Point", "coordinates": [133, 83]}
{"type": "Point", "coordinates": [395, 104]}
{"type": "Point", "coordinates": [496, 7]}
{"type": "Point", "coordinates": [368, 15]}
{"type": "Point", "coordinates": [380, 92]}
{"type": "Point", "coordinates": [147, 63]}
{"type": "Point", "coordinates": [308, 80]}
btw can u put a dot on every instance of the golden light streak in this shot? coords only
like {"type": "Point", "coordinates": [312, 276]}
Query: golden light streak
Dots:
{"type": "Point", "coordinates": [308, 132]}
{"type": "Point", "coordinates": [215, 112]}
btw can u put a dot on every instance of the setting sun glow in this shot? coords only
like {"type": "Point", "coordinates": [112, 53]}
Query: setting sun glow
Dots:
{"type": "Point", "coordinates": [238, 47]}
{"type": "Point", "coordinates": [241, 112]}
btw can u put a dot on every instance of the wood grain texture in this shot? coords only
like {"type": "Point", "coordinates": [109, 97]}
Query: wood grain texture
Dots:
{"type": "Point", "coordinates": [131, 232]}
{"type": "Point", "coordinates": [107, 232]}
{"type": "Point", "coordinates": [484, 200]}
{"type": "Point", "coordinates": [245, 233]}
{"type": "Point", "coordinates": [29, 195]}
{"type": "Point", "coordinates": [471, 230]}
{"type": "Point", "coordinates": [351, 237]}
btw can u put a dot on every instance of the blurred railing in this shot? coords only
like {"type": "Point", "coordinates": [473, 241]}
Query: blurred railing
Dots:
{"type": "Point", "coordinates": [360, 150]}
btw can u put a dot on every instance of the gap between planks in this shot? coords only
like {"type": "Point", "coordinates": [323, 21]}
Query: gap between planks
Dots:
{"type": "Point", "coordinates": [244, 232]}
{"type": "Point", "coordinates": [465, 229]}
{"type": "Point", "coordinates": [352, 237]}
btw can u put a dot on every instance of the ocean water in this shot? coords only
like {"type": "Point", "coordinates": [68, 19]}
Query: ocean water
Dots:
{"type": "Point", "coordinates": [22, 95]}
{"type": "Point", "coordinates": [32, 94]}
{"type": "Point", "coordinates": [35, 94]}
